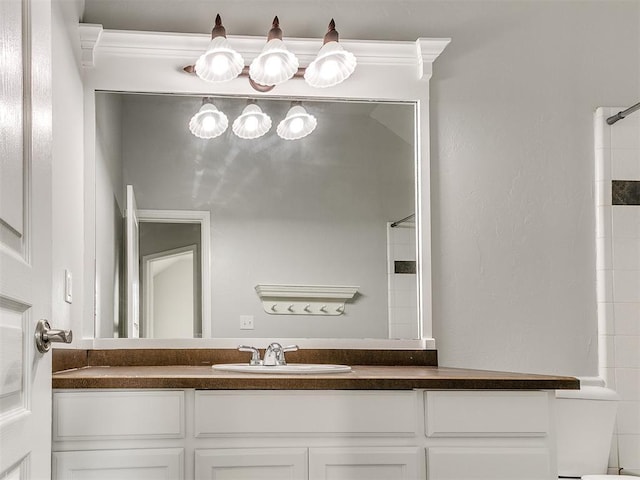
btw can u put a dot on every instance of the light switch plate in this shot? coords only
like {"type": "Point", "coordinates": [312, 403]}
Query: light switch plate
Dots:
{"type": "Point", "coordinates": [68, 287]}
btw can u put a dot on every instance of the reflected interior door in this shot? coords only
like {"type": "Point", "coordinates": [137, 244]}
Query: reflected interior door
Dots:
{"type": "Point", "coordinates": [25, 236]}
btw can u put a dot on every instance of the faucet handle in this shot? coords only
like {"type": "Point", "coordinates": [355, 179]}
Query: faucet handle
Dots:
{"type": "Point", "coordinates": [255, 354]}
{"type": "Point", "coordinates": [290, 348]}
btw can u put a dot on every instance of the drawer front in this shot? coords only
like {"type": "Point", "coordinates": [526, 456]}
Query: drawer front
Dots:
{"type": "Point", "coordinates": [305, 412]}
{"type": "Point", "coordinates": [451, 463]}
{"type": "Point", "coordinates": [494, 414]}
{"type": "Point", "coordinates": [251, 463]}
{"type": "Point", "coordinates": [157, 464]}
{"type": "Point", "coordinates": [366, 463]}
{"type": "Point", "coordinates": [126, 414]}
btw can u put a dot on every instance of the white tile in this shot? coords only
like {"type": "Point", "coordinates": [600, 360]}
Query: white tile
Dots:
{"type": "Point", "coordinates": [405, 281]}
{"type": "Point", "coordinates": [603, 193]}
{"type": "Point", "coordinates": [604, 221]}
{"type": "Point", "coordinates": [604, 286]}
{"type": "Point", "coordinates": [624, 134]}
{"type": "Point", "coordinates": [626, 285]}
{"type": "Point", "coordinates": [603, 170]}
{"type": "Point", "coordinates": [628, 383]}
{"type": "Point", "coordinates": [625, 221]}
{"type": "Point", "coordinates": [625, 164]}
{"type": "Point", "coordinates": [627, 351]}
{"type": "Point", "coordinates": [626, 253]}
{"type": "Point", "coordinates": [602, 134]}
{"type": "Point", "coordinates": [627, 318]}
{"type": "Point", "coordinates": [604, 253]}
{"type": "Point", "coordinates": [406, 298]}
{"type": "Point", "coordinates": [628, 448]}
{"type": "Point", "coordinates": [609, 377]}
{"type": "Point", "coordinates": [401, 331]}
{"type": "Point", "coordinates": [405, 234]}
{"type": "Point", "coordinates": [404, 251]}
{"type": "Point", "coordinates": [628, 419]}
{"type": "Point", "coordinates": [606, 319]}
{"type": "Point", "coordinates": [606, 351]}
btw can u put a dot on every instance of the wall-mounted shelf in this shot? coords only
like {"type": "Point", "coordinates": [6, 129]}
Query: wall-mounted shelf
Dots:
{"type": "Point", "coordinates": [305, 299]}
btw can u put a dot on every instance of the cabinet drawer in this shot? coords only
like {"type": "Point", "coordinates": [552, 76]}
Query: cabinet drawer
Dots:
{"type": "Point", "coordinates": [366, 463]}
{"type": "Point", "coordinates": [159, 463]}
{"type": "Point", "coordinates": [495, 414]}
{"type": "Point", "coordinates": [305, 412]}
{"type": "Point", "coordinates": [488, 463]}
{"type": "Point", "coordinates": [125, 414]}
{"type": "Point", "coordinates": [251, 463]}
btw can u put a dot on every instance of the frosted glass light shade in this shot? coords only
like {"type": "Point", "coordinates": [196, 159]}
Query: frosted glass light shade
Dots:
{"type": "Point", "coordinates": [275, 64]}
{"type": "Point", "coordinates": [252, 123]}
{"type": "Point", "coordinates": [208, 122]}
{"type": "Point", "coordinates": [220, 62]}
{"type": "Point", "coordinates": [332, 66]}
{"type": "Point", "coordinates": [297, 124]}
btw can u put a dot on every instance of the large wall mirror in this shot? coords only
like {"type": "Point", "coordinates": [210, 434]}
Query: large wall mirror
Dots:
{"type": "Point", "coordinates": [335, 208]}
{"type": "Point", "coordinates": [324, 240]}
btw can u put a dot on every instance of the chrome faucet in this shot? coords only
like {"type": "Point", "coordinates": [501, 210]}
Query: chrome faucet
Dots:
{"type": "Point", "coordinates": [274, 355]}
{"type": "Point", "coordinates": [255, 354]}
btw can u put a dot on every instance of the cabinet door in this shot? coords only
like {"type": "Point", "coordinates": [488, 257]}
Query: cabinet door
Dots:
{"type": "Point", "coordinates": [366, 463]}
{"type": "Point", "coordinates": [143, 464]}
{"type": "Point", "coordinates": [252, 464]}
{"type": "Point", "coordinates": [489, 463]}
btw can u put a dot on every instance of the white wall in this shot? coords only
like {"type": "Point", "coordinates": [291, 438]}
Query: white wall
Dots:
{"type": "Point", "coordinates": [68, 166]}
{"type": "Point", "coordinates": [512, 153]}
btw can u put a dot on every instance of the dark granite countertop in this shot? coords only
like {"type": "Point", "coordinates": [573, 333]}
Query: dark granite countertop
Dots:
{"type": "Point", "coordinates": [362, 377]}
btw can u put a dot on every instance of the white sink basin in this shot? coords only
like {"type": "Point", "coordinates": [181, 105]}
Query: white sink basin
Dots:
{"type": "Point", "coordinates": [289, 369]}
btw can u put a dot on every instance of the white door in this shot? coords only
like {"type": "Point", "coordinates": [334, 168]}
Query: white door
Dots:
{"type": "Point", "coordinates": [25, 237]}
{"type": "Point", "coordinates": [132, 254]}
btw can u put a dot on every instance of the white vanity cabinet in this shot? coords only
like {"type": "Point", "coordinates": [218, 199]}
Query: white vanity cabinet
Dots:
{"type": "Point", "coordinates": [296, 434]}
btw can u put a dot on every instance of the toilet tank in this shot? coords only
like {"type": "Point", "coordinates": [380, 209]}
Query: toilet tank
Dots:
{"type": "Point", "coordinates": [585, 419]}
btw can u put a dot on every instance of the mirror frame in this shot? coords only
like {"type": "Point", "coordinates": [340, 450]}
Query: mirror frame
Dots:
{"type": "Point", "coordinates": [152, 62]}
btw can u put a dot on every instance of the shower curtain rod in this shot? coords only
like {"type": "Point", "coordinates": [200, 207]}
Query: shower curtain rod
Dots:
{"type": "Point", "coordinates": [395, 224]}
{"type": "Point", "coordinates": [620, 115]}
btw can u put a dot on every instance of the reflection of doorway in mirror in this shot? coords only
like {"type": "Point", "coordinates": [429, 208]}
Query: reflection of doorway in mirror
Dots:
{"type": "Point", "coordinates": [169, 295]}
{"type": "Point", "coordinates": [402, 279]}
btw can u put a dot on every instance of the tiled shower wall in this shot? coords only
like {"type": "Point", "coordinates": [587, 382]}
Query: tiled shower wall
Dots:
{"type": "Point", "coordinates": [617, 155]}
{"type": "Point", "coordinates": [402, 280]}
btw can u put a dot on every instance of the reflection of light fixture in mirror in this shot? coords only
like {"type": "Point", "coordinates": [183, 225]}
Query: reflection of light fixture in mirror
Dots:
{"type": "Point", "coordinates": [333, 64]}
{"type": "Point", "coordinates": [220, 63]}
{"type": "Point", "coordinates": [208, 122]}
{"type": "Point", "coordinates": [297, 124]}
{"type": "Point", "coordinates": [252, 122]}
{"type": "Point", "coordinates": [275, 64]}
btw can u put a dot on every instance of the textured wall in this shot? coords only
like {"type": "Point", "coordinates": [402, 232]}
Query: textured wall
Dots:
{"type": "Point", "coordinates": [512, 154]}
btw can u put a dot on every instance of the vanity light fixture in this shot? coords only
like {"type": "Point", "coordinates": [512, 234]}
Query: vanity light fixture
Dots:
{"type": "Point", "coordinates": [275, 64]}
{"type": "Point", "coordinates": [252, 122]}
{"type": "Point", "coordinates": [220, 62]}
{"type": "Point", "coordinates": [208, 122]}
{"type": "Point", "coordinates": [333, 64]}
{"type": "Point", "coordinates": [297, 124]}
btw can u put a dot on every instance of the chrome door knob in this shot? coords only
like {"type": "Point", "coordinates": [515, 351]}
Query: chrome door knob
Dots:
{"type": "Point", "coordinates": [45, 335]}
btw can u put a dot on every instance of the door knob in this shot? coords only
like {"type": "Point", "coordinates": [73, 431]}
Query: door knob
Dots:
{"type": "Point", "coordinates": [45, 335]}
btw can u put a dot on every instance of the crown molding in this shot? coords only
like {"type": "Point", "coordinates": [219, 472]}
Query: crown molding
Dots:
{"type": "Point", "coordinates": [96, 41]}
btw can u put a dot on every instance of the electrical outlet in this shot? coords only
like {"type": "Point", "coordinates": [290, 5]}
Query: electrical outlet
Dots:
{"type": "Point", "coordinates": [246, 322]}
